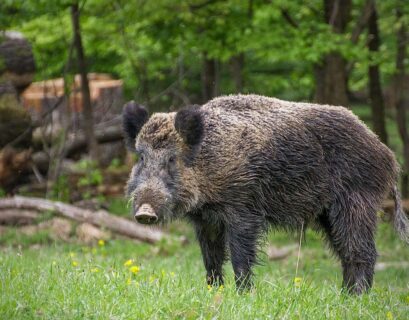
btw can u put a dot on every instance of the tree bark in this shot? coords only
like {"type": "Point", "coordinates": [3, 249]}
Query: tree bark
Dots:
{"type": "Point", "coordinates": [236, 67]}
{"type": "Point", "coordinates": [331, 81]}
{"type": "Point", "coordinates": [360, 26]}
{"type": "Point", "coordinates": [209, 78]}
{"type": "Point", "coordinates": [375, 89]}
{"type": "Point", "coordinates": [330, 73]}
{"type": "Point", "coordinates": [86, 97]}
{"type": "Point", "coordinates": [99, 218]}
{"type": "Point", "coordinates": [401, 117]}
{"type": "Point", "coordinates": [237, 61]}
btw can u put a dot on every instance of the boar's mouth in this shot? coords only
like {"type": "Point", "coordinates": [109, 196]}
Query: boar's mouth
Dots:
{"type": "Point", "coordinates": [145, 214]}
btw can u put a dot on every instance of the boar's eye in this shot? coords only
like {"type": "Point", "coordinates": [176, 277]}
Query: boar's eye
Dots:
{"type": "Point", "coordinates": [172, 160]}
{"type": "Point", "coordinates": [171, 164]}
{"type": "Point", "coordinates": [141, 158]}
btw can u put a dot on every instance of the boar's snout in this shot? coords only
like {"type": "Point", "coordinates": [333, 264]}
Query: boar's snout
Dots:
{"type": "Point", "coordinates": [145, 214]}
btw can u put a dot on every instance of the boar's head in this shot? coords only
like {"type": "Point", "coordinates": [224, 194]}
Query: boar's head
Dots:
{"type": "Point", "coordinates": [163, 183]}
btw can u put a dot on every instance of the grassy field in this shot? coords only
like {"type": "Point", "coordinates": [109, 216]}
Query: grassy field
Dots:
{"type": "Point", "coordinates": [121, 279]}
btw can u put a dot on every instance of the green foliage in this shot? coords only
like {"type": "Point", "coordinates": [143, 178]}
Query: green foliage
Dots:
{"type": "Point", "coordinates": [158, 45]}
{"type": "Point", "coordinates": [93, 175]}
{"type": "Point", "coordinates": [50, 48]}
{"type": "Point", "coordinates": [115, 164]}
{"type": "Point", "coordinates": [61, 189]}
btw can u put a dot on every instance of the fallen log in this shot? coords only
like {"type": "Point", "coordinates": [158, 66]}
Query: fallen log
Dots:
{"type": "Point", "coordinates": [103, 135]}
{"type": "Point", "coordinates": [78, 144]}
{"type": "Point", "coordinates": [99, 218]}
{"type": "Point", "coordinates": [13, 217]}
{"type": "Point", "coordinates": [77, 141]}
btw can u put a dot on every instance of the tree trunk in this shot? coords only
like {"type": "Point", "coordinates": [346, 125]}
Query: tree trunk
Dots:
{"type": "Point", "coordinates": [237, 61]}
{"type": "Point", "coordinates": [401, 116]}
{"type": "Point", "coordinates": [236, 67]}
{"type": "Point", "coordinates": [330, 73]}
{"type": "Point", "coordinates": [331, 81]}
{"type": "Point", "coordinates": [375, 89]}
{"type": "Point", "coordinates": [86, 97]}
{"type": "Point", "coordinates": [209, 80]}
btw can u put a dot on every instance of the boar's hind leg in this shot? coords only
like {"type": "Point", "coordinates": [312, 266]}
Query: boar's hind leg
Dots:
{"type": "Point", "coordinates": [212, 244]}
{"type": "Point", "coordinates": [350, 227]}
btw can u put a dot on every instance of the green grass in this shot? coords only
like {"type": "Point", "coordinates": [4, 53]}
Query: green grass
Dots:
{"type": "Point", "coordinates": [45, 283]}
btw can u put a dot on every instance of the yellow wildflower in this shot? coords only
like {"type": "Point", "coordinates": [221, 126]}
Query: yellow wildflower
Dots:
{"type": "Point", "coordinates": [128, 281]}
{"type": "Point", "coordinates": [134, 269]}
{"type": "Point", "coordinates": [128, 263]}
{"type": "Point", "coordinates": [209, 287]}
{"type": "Point", "coordinates": [163, 273]}
{"type": "Point", "coordinates": [221, 288]}
{"type": "Point", "coordinates": [72, 254]}
{"type": "Point", "coordinates": [172, 274]}
{"type": "Point", "coordinates": [297, 281]}
{"type": "Point", "coordinates": [101, 242]}
{"type": "Point", "coordinates": [151, 279]}
{"type": "Point", "coordinates": [389, 315]}
{"type": "Point", "coordinates": [75, 264]}
{"type": "Point", "coordinates": [94, 270]}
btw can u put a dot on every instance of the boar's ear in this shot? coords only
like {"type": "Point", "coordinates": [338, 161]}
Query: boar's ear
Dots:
{"type": "Point", "coordinates": [134, 117]}
{"type": "Point", "coordinates": [189, 124]}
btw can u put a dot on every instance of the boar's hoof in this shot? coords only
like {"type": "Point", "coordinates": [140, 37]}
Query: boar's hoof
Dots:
{"type": "Point", "coordinates": [146, 215]}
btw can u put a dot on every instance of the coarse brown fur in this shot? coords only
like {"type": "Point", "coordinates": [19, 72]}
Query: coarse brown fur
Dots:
{"type": "Point", "coordinates": [240, 164]}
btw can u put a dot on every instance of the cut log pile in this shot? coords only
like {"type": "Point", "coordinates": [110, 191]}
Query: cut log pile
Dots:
{"type": "Point", "coordinates": [17, 210]}
{"type": "Point", "coordinates": [106, 96]}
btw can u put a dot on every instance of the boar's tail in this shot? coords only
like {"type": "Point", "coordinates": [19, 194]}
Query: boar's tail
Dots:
{"type": "Point", "coordinates": [400, 220]}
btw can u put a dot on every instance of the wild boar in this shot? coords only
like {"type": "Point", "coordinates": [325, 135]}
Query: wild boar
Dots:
{"type": "Point", "coordinates": [241, 164]}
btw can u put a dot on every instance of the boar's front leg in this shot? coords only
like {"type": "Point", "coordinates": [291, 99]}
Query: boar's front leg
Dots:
{"type": "Point", "coordinates": [243, 238]}
{"type": "Point", "coordinates": [211, 238]}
